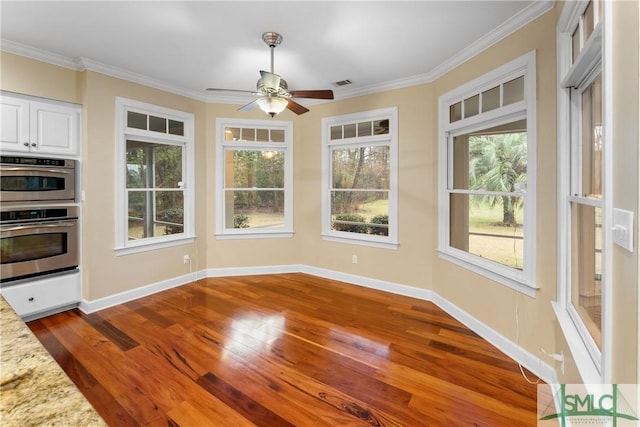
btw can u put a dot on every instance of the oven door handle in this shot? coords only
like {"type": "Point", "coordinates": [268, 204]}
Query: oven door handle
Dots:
{"type": "Point", "coordinates": [31, 169]}
{"type": "Point", "coordinates": [40, 225]}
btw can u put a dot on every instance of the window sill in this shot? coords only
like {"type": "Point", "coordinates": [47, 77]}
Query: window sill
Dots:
{"type": "Point", "coordinates": [251, 235]}
{"type": "Point", "coordinates": [586, 366]}
{"type": "Point", "coordinates": [361, 242]}
{"type": "Point", "coordinates": [511, 281]}
{"type": "Point", "coordinates": [152, 246]}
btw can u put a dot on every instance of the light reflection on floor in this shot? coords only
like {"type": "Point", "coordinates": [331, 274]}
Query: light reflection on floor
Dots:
{"type": "Point", "coordinates": [253, 332]}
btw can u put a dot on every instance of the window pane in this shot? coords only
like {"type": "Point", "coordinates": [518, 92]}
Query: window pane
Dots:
{"type": "Point", "coordinates": [513, 91]}
{"type": "Point", "coordinates": [136, 120]}
{"type": "Point", "coordinates": [365, 212]}
{"type": "Point", "coordinates": [231, 134]}
{"type": "Point", "coordinates": [255, 169]}
{"type": "Point", "coordinates": [493, 159]}
{"type": "Point", "coordinates": [350, 130]}
{"type": "Point", "coordinates": [472, 106]}
{"type": "Point", "coordinates": [254, 209]}
{"type": "Point", "coordinates": [176, 127]}
{"type": "Point", "coordinates": [248, 134]}
{"type": "Point", "coordinates": [491, 99]}
{"type": "Point", "coordinates": [336, 132]}
{"type": "Point", "coordinates": [489, 227]}
{"type": "Point", "coordinates": [381, 127]}
{"type": "Point", "coordinates": [262, 135]}
{"type": "Point", "coordinates": [455, 112]}
{"type": "Point", "coordinates": [588, 21]}
{"type": "Point", "coordinates": [167, 165]}
{"type": "Point", "coordinates": [364, 129]}
{"type": "Point", "coordinates": [586, 267]}
{"type": "Point", "coordinates": [277, 135]}
{"type": "Point", "coordinates": [137, 206]}
{"type": "Point", "coordinates": [169, 212]}
{"type": "Point", "coordinates": [575, 44]}
{"type": "Point", "coordinates": [361, 167]}
{"type": "Point", "coordinates": [138, 165]}
{"type": "Point", "coordinates": [158, 124]}
{"type": "Point", "coordinates": [592, 140]}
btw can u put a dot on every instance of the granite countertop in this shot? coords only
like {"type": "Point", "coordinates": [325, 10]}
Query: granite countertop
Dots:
{"type": "Point", "coordinates": [34, 390]}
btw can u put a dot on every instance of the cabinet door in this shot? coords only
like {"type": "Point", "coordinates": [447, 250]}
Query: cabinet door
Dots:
{"type": "Point", "coordinates": [43, 295]}
{"type": "Point", "coordinates": [14, 124]}
{"type": "Point", "coordinates": [54, 129]}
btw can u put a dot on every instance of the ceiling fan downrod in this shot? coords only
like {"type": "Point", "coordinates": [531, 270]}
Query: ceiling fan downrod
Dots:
{"type": "Point", "coordinates": [272, 40]}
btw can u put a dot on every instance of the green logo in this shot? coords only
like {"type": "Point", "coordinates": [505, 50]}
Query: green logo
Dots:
{"type": "Point", "coordinates": [605, 408]}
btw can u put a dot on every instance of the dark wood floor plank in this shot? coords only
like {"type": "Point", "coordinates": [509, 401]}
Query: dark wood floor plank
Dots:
{"type": "Point", "coordinates": [281, 350]}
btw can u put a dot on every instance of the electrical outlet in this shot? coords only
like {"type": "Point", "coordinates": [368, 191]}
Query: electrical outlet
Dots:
{"type": "Point", "coordinates": [186, 259]}
{"type": "Point", "coordinates": [354, 259]}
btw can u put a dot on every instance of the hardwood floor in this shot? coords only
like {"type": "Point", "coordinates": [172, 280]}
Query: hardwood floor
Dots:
{"type": "Point", "coordinates": [285, 350]}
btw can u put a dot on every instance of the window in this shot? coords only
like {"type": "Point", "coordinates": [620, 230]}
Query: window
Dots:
{"type": "Point", "coordinates": [254, 181]}
{"type": "Point", "coordinates": [583, 204]}
{"type": "Point", "coordinates": [154, 169]}
{"type": "Point", "coordinates": [487, 175]}
{"type": "Point", "coordinates": [360, 178]}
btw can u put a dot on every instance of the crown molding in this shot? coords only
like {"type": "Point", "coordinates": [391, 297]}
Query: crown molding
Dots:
{"type": "Point", "coordinates": [86, 64]}
{"type": "Point", "coordinates": [524, 17]}
{"type": "Point", "coordinates": [37, 54]}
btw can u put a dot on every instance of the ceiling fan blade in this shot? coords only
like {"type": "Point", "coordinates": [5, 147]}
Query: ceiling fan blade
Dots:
{"type": "Point", "coordinates": [215, 89]}
{"type": "Point", "coordinates": [316, 94]}
{"type": "Point", "coordinates": [270, 80]}
{"type": "Point", "coordinates": [248, 106]}
{"type": "Point", "coordinates": [295, 107]}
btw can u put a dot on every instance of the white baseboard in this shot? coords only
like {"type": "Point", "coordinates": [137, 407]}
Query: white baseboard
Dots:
{"type": "Point", "coordinates": [508, 347]}
{"type": "Point", "coordinates": [121, 298]}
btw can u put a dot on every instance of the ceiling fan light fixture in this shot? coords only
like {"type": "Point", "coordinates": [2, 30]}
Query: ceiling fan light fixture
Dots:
{"type": "Point", "coordinates": [272, 105]}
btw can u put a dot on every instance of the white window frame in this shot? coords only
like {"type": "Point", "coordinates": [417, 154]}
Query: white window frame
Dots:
{"type": "Point", "coordinates": [287, 147]}
{"type": "Point", "coordinates": [391, 139]}
{"type": "Point", "coordinates": [123, 246]}
{"type": "Point", "coordinates": [592, 363]}
{"type": "Point", "coordinates": [521, 280]}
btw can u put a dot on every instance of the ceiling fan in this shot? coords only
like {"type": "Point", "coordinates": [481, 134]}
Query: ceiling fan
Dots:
{"type": "Point", "coordinates": [272, 90]}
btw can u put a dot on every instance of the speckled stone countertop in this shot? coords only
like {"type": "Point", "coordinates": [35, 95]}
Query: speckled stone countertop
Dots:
{"type": "Point", "coordinates": [34, 390]}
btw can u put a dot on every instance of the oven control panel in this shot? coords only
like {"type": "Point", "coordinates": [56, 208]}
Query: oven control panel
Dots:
{"type": "Point", "coordinates": [38, 214]}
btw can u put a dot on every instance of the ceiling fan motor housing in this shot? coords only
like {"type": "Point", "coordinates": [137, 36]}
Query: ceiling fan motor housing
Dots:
{"type": "Point", "coordinates": [283, 90]}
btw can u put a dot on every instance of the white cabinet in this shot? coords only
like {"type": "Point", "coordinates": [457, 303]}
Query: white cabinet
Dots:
{"type": "Point", "coordinates": [40, 297]}
{"type": "Point", "coordinates": [35, 125]}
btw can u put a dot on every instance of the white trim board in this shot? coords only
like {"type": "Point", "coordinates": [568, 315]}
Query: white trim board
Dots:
{"type": "Point", "coordinates": [527, 359]}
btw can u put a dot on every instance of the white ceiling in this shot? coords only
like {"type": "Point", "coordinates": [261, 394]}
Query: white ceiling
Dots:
{"type": "Point", "coordinates": [186, 47]}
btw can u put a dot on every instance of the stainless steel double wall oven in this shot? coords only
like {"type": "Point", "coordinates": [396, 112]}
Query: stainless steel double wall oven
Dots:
{"type": "Point", "coordinates": [39, 217]}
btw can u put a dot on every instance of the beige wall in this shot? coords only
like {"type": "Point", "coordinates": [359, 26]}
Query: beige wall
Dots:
{"type": "Point", "coordinates": [411, 263]}
{"type": "Point", "coordinates": [626, 187]}
{"type": "Point", "coordinates": [23, 75]}
{"type": "Point", "coordinates": [494, 304]}
{"type": "Point", "coordinates": [104, 273]}
{"type": "Point", "coordinates": [415, 262]}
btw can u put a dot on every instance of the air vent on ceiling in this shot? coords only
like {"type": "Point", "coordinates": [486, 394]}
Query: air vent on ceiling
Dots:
{"type": "Point", "coordinates": [342, 82]}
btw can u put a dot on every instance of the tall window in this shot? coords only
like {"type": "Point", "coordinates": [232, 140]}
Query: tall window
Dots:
{"type": "Point", "coordinates": [360, 178]}
{"type": "Point", "coordinates": [154, 175]}
{"type": "Point", "coordinates": [254, 184]}
{"type": "Point", "coordinates": [487, 183]}
{"type": "Point", "coordinates": [582, 210]}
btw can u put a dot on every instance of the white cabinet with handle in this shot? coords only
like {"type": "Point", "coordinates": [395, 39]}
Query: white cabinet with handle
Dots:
{"type": "Point", "coordinates": [37, 125]}
{"type": "Point", "coordinates": [40, 297]}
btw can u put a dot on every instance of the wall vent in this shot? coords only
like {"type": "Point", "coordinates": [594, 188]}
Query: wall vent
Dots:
{"type": "Point", "coordinates": [342, 82]}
